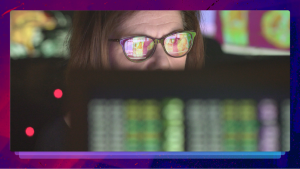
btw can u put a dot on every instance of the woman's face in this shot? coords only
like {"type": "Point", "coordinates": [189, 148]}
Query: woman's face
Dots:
{"type": "Point", "coordinates": [155, 24]}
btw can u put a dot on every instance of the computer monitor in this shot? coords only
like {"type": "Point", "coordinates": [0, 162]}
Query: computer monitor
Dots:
{"type": "Point", "coordinates": [230, 107]}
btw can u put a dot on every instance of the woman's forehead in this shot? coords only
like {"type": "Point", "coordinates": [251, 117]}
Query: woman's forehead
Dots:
{"type": "Point", "coordinates": [151, 23]}
{"type": "Point", "coordinates": [154, 15]}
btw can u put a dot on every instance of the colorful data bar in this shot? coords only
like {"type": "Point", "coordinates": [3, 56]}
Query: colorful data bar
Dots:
{"type": "Point", "coordinates": [175, 125]}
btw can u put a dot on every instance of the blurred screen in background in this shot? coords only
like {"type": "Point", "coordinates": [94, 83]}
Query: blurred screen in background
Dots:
{"type": "Point", "coordinates": [249, 32]}
{"type": "Point", "coordinates": [39, 33]}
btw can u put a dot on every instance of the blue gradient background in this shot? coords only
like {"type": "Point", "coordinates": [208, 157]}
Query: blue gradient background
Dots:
{"type": "Point", "coordinates": [10, 159]}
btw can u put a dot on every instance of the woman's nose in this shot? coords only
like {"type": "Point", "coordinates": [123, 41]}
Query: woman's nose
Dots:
{"type": "Point", "coordinates": [160, 60]}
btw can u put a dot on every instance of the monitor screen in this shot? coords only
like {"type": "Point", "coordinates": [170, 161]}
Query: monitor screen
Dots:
{"type": "Point", "coordinates": [249, 32]}
{"type": "Point", "coordinates": [217, 109]}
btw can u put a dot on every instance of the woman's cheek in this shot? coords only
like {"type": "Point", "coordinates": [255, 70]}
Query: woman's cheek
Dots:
{"type": "Point", "coordinates": [178, 63]}
{"type": "Point", "coordinates": [115, 55]}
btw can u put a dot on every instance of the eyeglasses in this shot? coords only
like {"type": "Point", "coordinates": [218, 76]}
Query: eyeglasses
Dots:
{"type": "Point", "coordinates": [141, 48]}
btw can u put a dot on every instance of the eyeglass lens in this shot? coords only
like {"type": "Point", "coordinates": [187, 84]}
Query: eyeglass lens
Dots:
{"type": "Point", "coordinates": [140, 48]}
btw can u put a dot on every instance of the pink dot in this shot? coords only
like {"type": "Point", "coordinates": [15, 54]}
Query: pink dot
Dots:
{"type": "Point", "coordinates": [58, 93]}
{"type": "Point", "coordinates": [29, 131]}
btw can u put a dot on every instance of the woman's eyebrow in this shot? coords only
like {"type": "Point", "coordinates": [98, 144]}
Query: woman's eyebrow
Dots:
{"type": "Point", "coordinates": [177, 30]}
{"type": "Point", "coordinates": [136, 34]}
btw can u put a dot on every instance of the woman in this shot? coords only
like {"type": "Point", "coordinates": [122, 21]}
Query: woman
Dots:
{"type": "Point", "coordinates": [117, 40]}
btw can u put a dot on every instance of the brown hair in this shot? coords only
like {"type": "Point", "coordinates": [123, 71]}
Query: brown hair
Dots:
{"type": "Point", "coordinates": [88, 41]}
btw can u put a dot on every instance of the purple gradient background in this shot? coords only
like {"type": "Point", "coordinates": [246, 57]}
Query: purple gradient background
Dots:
{"type": "Point", "coordinates": [9, 159]}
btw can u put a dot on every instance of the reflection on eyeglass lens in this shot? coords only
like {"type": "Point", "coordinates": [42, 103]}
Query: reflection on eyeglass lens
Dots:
{"type": "Point", "coordinates": [139, 48]}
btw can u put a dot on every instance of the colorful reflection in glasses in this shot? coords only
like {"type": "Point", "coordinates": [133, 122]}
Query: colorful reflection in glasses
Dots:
{"type": "Point", "coordinates": [142, 47]}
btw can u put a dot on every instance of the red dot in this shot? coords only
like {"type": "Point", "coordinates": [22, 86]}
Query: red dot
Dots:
{"type": "Point", "coordinates": [29, 131]}
{"type": "Point", "coordinates": [58, 93]}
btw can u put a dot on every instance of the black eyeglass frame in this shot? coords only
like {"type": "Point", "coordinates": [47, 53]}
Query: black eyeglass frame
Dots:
{"type": "Point", "coordinates": [156, 41]}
